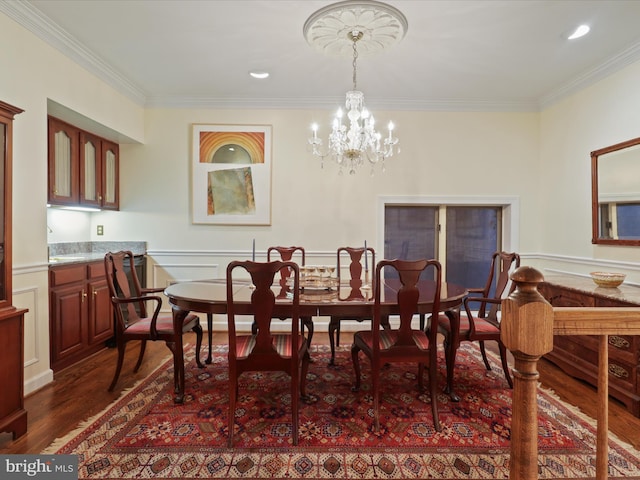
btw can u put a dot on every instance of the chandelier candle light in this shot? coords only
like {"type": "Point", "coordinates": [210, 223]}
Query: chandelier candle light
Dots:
{"type": "Point", "coordinates": [375, 26]}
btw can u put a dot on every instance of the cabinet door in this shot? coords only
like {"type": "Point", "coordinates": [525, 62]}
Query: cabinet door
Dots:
{"type": "Point", "coordinates": [68, 320]}
{"type": "Point", "coordinates": [64, 183]}
{"type": "Point", "coordinates": [90, 170]}
{"type": "Point", "coordinates": [110, 175]}
{"type": "Point", "coordinates": [560, 297]}
{"type": "Point", "coordinates": [100, 317]}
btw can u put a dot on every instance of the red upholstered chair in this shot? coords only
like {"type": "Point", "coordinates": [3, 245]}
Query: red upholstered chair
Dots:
{"type": "Point", "coordinates": [263, 351]}
{"type": "Point", "coordinates": [290, 254]}
{"type": "Point", "coordinates": [355, 258]}
{"type": "Point", "coordinates": [402, 345]}
{"type": "Point", "coordinates": [132, 321]}
{"type": "Point", "coordinates": [479, 321]}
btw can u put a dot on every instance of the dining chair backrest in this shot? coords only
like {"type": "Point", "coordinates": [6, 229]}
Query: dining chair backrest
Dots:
{"type": "Point", "coordinates": [407, 298]}
{"type": "Point", "coordinates": [262, 305]}
{"type": "Point", "coordinates": [286, 254]}
{"type": "Point", "coordinates": [502, 263]}
{"type": "Point", "coordinates": [123, 283]}
{"type": "Point", "coordinates": [355, 260]}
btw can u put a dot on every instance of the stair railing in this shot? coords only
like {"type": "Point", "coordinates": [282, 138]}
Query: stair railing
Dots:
{"type": "Point", "coordinates": [528, 325]}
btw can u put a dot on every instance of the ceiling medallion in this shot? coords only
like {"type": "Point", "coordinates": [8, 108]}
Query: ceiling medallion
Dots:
{"type": "Point", "coordinates": [350, 28]}
{"type": "Point", "coordinates": [329, 29]}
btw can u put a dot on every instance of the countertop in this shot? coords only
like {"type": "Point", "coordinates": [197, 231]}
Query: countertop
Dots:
{"type": "Point", "coordinates": [81, 252]}
{"type": "Point", "coordinates": [623, 293]}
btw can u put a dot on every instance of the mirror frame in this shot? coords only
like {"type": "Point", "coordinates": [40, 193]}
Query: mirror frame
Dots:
{"type": "Point", "coordinates": [595, 211]}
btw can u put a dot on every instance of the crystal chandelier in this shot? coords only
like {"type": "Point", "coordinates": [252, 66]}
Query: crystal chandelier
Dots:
{"type": "Point", "coordinates": [354, 140]}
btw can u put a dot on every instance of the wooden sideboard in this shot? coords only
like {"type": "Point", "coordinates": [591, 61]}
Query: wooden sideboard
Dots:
{"type": "Point", "coordinates": [578, 355]}
{"type": "Point", "coordinates": [13, 416]}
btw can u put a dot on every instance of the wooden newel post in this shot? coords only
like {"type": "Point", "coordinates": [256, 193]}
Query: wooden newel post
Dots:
{"type": "Point", "coordinates": [527, 331]}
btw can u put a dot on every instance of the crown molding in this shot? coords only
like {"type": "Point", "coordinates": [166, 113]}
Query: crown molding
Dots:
{"type": "Point", "coordinates": [41, 26]}
{"type": "Point", "coordinates": [614, 64]}
{"type": "Point", "coordinates": [33, 20]}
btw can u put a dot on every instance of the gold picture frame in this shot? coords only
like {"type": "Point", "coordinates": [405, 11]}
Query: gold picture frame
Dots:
{"type": "Point", "coordinates": [231, 174]}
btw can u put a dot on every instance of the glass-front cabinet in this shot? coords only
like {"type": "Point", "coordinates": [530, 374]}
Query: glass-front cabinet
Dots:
{"type": "Point", "coordinates": [110, 175]}
{"type": "Point", "coordinates": [63, 163]}
{"type": "Point", "coordinates": [83, 168]}
{"type": "Point", "coordinates": [13, 416]}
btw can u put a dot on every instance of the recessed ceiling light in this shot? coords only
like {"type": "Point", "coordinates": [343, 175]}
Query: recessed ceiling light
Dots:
{"type": "Point", "coordinates": [581, 31]}
{"type": "Point", "coordinates": [259, 75]}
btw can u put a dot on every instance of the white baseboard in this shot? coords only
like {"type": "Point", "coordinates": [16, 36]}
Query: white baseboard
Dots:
{"type": "Point", "coordinates": [37, 382]}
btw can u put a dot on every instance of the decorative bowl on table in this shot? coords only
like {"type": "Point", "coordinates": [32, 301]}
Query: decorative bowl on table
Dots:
{"type": "Point", "coordinates": [607, 279]}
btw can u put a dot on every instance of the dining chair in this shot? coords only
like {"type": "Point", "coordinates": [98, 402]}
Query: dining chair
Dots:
{"type": "Point", "coordinates": [264, 351]}
{"type": "Point", "coordinates": [404, 344]}
{"type": "Point", "coordinates": [356, 260]}
{"type": "Point", "coordinates": [481, 323]}
{"type": "Point", "coordinates": [132, 322]}
{"type": "Point", "coordinates": [290, 254]}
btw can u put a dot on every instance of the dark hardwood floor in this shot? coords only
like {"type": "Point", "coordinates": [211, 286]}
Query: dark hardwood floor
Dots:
{"type": "Point", "coordinates": [80, 392]}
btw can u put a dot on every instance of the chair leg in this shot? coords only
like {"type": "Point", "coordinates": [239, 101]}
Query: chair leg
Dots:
{"type": "Point", "coordinates": [505, 366]}
{"type": "Point", "coordinates": [233, 395]}
{"type": "Point", "coordinates": [210, 334]}
{"type": "Point", "coordinates": [355, 360]}
{"type": "Point", "coordinates": [295, 395]}
{"type": "Point", "coordinates": [198, 331]}
{"type": "Point", "coordinates": [334, 331]}
{"type": "Point", "coordinates": [433, 385]}
{"type": "Point", "coordinates": [121, 349]}
{"type": "Point", "coordinates": [375, 377]}
{"type": "Point", "coordinates": [484, 355]}
{"type": "Point", "coordinates": [306, 359]}
{"type": "Point", "coordinates": [143, 346]}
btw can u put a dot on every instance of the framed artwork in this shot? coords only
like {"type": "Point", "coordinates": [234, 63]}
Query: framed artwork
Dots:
{"type": "Point", "coordinates": [231, 174]}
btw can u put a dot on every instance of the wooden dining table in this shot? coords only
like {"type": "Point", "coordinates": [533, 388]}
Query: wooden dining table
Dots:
{"type": "Point", "coordinates": [352, 299]}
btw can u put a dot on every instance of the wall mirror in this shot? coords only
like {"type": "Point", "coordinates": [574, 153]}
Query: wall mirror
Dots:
{"type": "Point", "coordinates": [615, 190]}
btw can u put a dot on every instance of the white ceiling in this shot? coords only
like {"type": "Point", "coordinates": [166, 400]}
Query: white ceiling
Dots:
{"type": "Point", "coordinates": [464, 54]}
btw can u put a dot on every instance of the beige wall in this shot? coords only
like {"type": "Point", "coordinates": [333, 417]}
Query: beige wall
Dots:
{"type": "Point", "coordinates": [604, 114]}
{"type": "Point", "coordinates": [542, 159]}
{"type": "Point", "coordinates": [31, 73]}
{"type": "Point", "coordinates": [317, 207]}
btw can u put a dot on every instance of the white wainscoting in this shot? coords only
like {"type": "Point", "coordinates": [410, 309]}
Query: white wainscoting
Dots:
{"type": "Point", "coordinates": [31, 291]}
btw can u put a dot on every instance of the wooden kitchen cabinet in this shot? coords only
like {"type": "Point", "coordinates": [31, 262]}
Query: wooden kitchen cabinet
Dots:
{"type": "Point", "coordinates": [83, 168]}
{"type": "Point", "coordinates": [13, 416]}
{"type": "Point", "coordinates": [81, 318]}
{"type": "Point", "coordinates": [110, 175]}
{"type": "Point", "coordinates": [64, 166]}
{"type": "Point", "coordinates": [577, 355]}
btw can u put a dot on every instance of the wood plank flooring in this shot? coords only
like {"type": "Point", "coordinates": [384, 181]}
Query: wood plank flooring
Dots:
{"type": "Point", "coordinates": [80, 392]}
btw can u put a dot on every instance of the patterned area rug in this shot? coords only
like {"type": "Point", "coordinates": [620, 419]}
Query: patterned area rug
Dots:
{"type": "Point", "coordinates": [145, 435]}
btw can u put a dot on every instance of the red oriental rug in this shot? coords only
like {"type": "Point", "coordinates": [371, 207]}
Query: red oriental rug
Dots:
{"type": "Point", "coordinates": [145, 435]}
